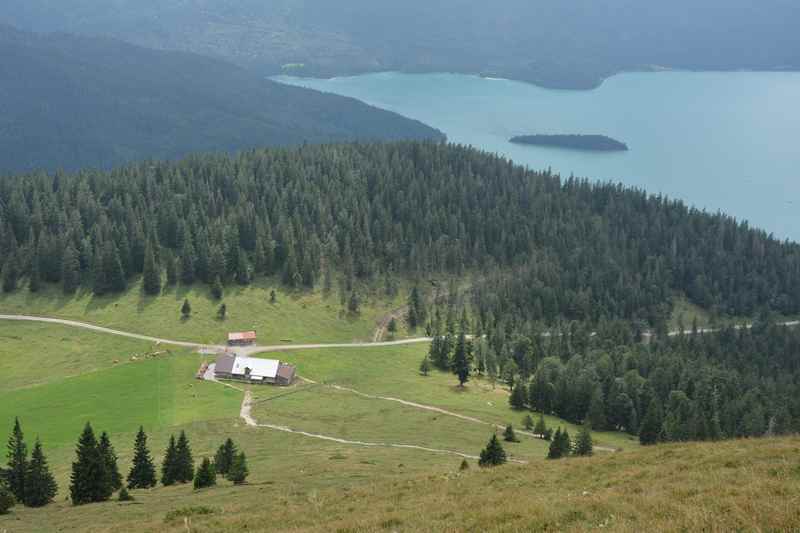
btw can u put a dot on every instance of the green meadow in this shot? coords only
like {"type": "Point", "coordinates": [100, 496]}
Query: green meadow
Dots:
{"type": "Point", "coordinates": [296, 316]}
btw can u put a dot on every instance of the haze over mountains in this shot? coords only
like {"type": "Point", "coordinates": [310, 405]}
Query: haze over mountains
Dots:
{"type": "Point", "coordinates": [70, 101]}
{"type": "Point", "coordinates": [568, 44]}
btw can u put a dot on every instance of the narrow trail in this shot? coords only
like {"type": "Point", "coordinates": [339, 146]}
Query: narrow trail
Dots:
{"type": "Point", "coordinates": [246, 350]}
{"type": "Point", "coordinates": [246, 414]}
{"type": "Point", "coordinates": [383, 326]}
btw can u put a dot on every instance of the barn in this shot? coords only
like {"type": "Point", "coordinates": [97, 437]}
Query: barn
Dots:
{"type": "Point", "coordinates": [254, 370]}
{"type": "Point", "coordinates": [241, 338]}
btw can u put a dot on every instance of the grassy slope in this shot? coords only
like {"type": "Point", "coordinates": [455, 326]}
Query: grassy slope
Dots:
{"type": "Point", "coordinates": [392, 372]}
{"type": "Point", "coordinates": [296, 316]}
{"type": "Point", "coordinates": [735, 485]}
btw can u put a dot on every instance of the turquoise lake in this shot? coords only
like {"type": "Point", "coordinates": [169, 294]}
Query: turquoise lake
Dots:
{"type": "Point", "coordinates": [720, 141]}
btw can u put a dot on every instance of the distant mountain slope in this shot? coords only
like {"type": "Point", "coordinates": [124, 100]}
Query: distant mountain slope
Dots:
{"type": "Point", "coordinates": [565, 43]}
{"type": "Point", "coordinates": [71, 102]}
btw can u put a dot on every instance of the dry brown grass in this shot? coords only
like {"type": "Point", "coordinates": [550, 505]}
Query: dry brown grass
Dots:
{"type": "Point", "coordinates": [749, 485]}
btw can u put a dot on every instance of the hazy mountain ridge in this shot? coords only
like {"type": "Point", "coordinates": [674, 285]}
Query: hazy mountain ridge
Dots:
{"type": "Point", "coordinates": [572, 44]}
{"type": "Point", "coordinates": [69, 102]}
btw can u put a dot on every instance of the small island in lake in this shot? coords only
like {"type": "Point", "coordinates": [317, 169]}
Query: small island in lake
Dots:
{"type": "Point", "coordinates": [576, 142]}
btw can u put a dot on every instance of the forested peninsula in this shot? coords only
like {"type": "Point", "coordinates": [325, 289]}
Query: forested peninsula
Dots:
{"type": "Point", "coordinates": [597, 143]}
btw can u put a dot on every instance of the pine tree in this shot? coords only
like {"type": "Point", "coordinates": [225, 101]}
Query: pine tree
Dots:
{"type": "Point", "coordinates": [493, 454]}
{"type": "Point", "coordinates": [169, 464]}
{"type": "Point", "coordinates": [110, 457]}
{"type": "Point", "coordinates": [70, 270]}
{"type": "Point", "coordinates": [124, 495]}
{"type": "Point", "coordinates": [222, 312]}
{"type": "Point", "coordinates": [10, 275]}
{"type": "Point", "coordinates": [224, 457]}
{"type": "Point", "coordinates": [583, 443]}
{"type": "Point", "coordinates": [650, 431]}
{"type": "Point", "coordinates": [353, 304]}
{"type": "Point", "coordinates": [527, 423]}
{"type": "Point", "coordinates": [7, 500]}
{"type": "Point", "coordinates": [186, 309]}
{"type": "Point", "coordinates": [464, 465]}
{"type": "Point", "coordinates": [541, 427]}
{"type": "Point", "coordinates": [35, 282]}
{"type": "Point", "coordinates": [184, 471]}
{"type": "Point", "coordinates": [90, 480]}
{"type": "Point", "coordinates": [555, 451]}
{"type": "Point", "coordinates": [205, 476]}
{"type": "Point", "coordinates": [151, 275]}
{"type": "Point", "coordinates": [273, 297]}
{"type": "Point", "coordinates": [509, 435]}
{"type": "Point", "coordinates": [216, 289]}
{"type": "Point", "coordinates": [597, 410]}
{"type": "Point", "coordinates": [40, 485]}
{"type": "Point", "coordinates": [238, 471]}
{"type": "Point", "coordinates": [565, 444]}
{"type": "Point", "coordinates": [392, 327]}
{"type": "Point", "coordinates": [143, 473]}
{"type": "Point", "coordinates": [461, 366]}
{"type": "Point", "coordinates": [518, 396]}
{"type": "Point", "coordinates": [17, 462]}
{"type": "Point", "coordinates": [425, 366]}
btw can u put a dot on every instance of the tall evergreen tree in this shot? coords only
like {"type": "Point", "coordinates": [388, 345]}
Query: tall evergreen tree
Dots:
{"type": "Point", "coordinates": [17, 462]}
{"type": "Point", "coordinates": [461, 364]}
{"type": "Point", "coordinates": [169, 466]}
{"type": "Point", "coordinates": [224, 456]}
{"type": "Point", "coordinates": [143, 473]}
{"type": "Point", "coordinates": [110, 458]}
{"type": "Point", "coordinates": [151, 275]}
{"type": "Point", "coordinates": [35, 281]}
{"type": "Point", "coordinates": [555, 451]}
{"type": "Point", "coordinates": [7, 500]}
{"type": "Point", "coordinates": [238, 471]}
{"type": "Point", "coordinates": [205, 476]}
{"type": "Point", "coordinates": [186, 309]}
{"type": "Point", "coordinates": [493, 454]}
{"type": "Point", "coordinates": [70, 270]}
{"type": "Point", "coordinates": [650, 432]}
{"type": "Point", "coordinates": [90, 480]}
{"type": "Point", "coordinates": [40, 485]}
{"type": "Point", "coordinates": [541, 427]}
{"type": "Point", "coordinates": [583, 443]}
{"type": "Point", "coordinates": [518, 396]}
{"type": "Point", "coordinates": [184, 471]}
{"type": "Point", "coordinates": [509, 435]}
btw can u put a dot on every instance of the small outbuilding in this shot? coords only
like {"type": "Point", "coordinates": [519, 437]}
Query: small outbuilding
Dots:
{"type": "Point", "coordinates": [242, 338]}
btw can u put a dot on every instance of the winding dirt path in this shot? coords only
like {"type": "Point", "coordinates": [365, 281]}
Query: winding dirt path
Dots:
{"type": "Point", "coordinates": [246, 414]}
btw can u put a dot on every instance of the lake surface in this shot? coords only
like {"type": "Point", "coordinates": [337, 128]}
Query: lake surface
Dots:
{"type": "Point", "coordinates": [720, 141]}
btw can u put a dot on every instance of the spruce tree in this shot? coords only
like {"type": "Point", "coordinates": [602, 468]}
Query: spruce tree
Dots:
{"type": "Point", "coordinates": [17, 462]}
{"type": "Point", "coordinates": [216, 288]}
{"type": "Point", "coordinates": [493, 454]}
{"type": "Point", "coordinates": [124, 495]}
{"type": "Point", "coordinates": [151, 276]}
{"type": "Point", "coordinates": [566, 443]}
{"type": "Point", "coordinates": [169, 470]}
{"type": "Point", "coordinates": [464, 465]}
{"type": "Point", "coordinates": [40, 486]}
{"type": "Point", "coordinates": [35, 282]}
{"type": "Point", "coordinates": [461, 366]}
{"type": "Point", "coordinates": [583, 443]}
{"type": "Point", "coordinates": [224, 457]}
{"type": "Point", "coordinates": [184, 471]}
{"type": "Point", "coordinates": [650, 431]}
{"type": "Point", "coordinates": [555, 451]}
{"type": "Point", "coordinates": [509, 435]}
{"type": "Point", "coordinates": [205, 476]}
{"type": "Point", "coordinates": [425, 366]}
{"type": "Point", "coordinates": [518, 396]}
{"type": "Point", "coordinates": [541, 427]}
{"type": "Point", "coordinates": [10, 275]}
{"type": "Point", "coordinates": [222, 312]}
{"type": "Point", "coordinates": [527, 423]}
{"type": "Point", "coordinates": [392, 327]}
{"type": "Point", "coordinates": [70, 270]}
{"type": "Point", "coordinates": [90, 480]}
{"type": "Point", "coordinates": [7, 500]}
{"type": "Point", "coordinates": [143, 473]}
{"type": "Point", "coordinates": [238, 471]}
{"type": "Point", "coordinates": [186, 309]}
{"type": "Point", "coordinates": [110, 458]}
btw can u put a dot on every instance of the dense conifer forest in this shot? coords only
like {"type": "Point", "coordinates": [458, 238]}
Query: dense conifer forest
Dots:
{"type": "Point", "coordinates": [547, 248]}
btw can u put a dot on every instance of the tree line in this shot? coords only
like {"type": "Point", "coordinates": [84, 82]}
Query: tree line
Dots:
{"type": "Point", "coordinates": [95, 474]}
{"type": "Point", "coordinates": [547, 248]}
